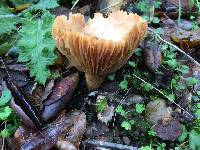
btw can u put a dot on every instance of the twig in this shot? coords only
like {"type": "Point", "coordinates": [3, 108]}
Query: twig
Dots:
{"type": "Point", "coordinates": [108, 145]}
{"type": "Point", "coordinates": [181, 51]}
{"type": "Point", "coordinates": [183, 144]}
{"type": "Point", "coordinates": [3, 144]}
{"type": "Point", "coordinates": [163, 94]}
{"type": "Point", "coordinates": [179, 12]}
{"type": "Point", "coordinates": [75, 4]}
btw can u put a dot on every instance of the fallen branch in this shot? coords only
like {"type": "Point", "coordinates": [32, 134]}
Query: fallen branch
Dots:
{"type": "Point", "coordinates": [108, 145]}
{"type": "Point", "coordinates": [181, 51]}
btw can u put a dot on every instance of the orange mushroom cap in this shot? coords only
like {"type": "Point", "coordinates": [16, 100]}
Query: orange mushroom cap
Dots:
{"type": "Point", "coordinates": [101, 45]}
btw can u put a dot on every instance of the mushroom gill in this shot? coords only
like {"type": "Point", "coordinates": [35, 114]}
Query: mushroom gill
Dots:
{"type": "Point", "coordinates": [101, 45]}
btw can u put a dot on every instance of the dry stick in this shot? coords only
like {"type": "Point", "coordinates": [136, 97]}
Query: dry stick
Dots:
{"type": "Point", "coordinates": [181, 51]}
{"type": "Point", "coordinates": [74, 4]}
{"type": "Point", "coordinates": [163, 94]}
{"type": "Point", "coordinates": [108, 145]}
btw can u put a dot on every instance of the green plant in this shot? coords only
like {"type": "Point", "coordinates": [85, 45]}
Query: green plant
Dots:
{"type": "Point", "coordinates": [124, 84]}
{"type": "Point", "coordinates": [126, 125]}
{"type": "Point", "coordinates": [151, 132]}
{"type": "Point", "coordinates": [191, 81]}
{"type": "Point", "coordinates": [37, 51]}
{"type": "Point", "coordinates": [111, 77]}
{"type": "Point", "coordinates": [128, 116]}
{"type": "Point", "coordinates": [156, 20]}
{"type": "Point", "coordinates": [161, 146]}
{"type": "Point", "coordinates": [197, 3]}
{"type": "Point", "coordinates": [140, 81]}
{"type": "Point", "coordinates": [195, 25]}
{"type": "Point", "coordinates": [132, 64]}
{"type": "Point", "coordinates": [184, 134]}
{"type": "Point", "coordinates": [8, 21]}
{"type": "Point", "coordinates": [101, 105]}
{"type": "Point", "coordinates": [120, 110]}
{"type": "Point", "coordinates": [139, 108]}
{"type": "Point", "coordinates": [194, 139]}
{"type": "Point", "coordinates": [146, 147]}
{"type": "Point", "coordinates": [147, 87]}
{"type": "Point", "coordinates": [45, 4]}
{"type": "Point", "coordinates": [147, 7]}
{"type": "Point", "coordinates": [7, 116]}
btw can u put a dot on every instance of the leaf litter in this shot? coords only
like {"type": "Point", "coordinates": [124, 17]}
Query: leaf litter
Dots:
{"type": "Point", "coordinates": [123, 121]}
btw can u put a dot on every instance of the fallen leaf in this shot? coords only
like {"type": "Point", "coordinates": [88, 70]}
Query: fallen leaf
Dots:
{"type": "Point", "coordinates": [152, 55]}
{"type": "Point", "coordinates": [186, 39]}
{"type": "Point", "coordinates": [169, 129]}
{"type": "Point", "coordinates": [67, 127]}
{"type": "Point", "coordinates": [107, 114]}
{"type": "Point", "coordinates": [60, 95]}
{"type": "Point", "coordinates": [18, 77]}
{"type": "Point", "coordinates": [156, 110]}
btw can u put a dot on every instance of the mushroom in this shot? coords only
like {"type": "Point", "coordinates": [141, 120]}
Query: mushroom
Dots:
{"type": "Point", "coordinates": [99, 46]}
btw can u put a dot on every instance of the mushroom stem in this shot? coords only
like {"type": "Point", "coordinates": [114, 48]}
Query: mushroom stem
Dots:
{"type": "Point", "coordinates": [93, 81]}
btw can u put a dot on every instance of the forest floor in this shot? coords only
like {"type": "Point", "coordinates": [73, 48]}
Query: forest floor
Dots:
{"type": "Point", "coordinates": [152, 102]}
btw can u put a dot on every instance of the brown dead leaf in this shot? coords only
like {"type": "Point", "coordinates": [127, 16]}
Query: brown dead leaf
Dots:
{"type": "Point", "coordinates": [168, 129]}
{"type": "Point", "coordinates": [152, 55]}
{"type": "Point", "coordinates": [186, 39]}
{"type": "Point", "coordinates": [67, 127]}
{"type": "Point", "coordinates": [60, 95]}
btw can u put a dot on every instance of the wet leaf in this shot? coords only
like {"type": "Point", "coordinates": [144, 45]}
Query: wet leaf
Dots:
{"type": "Point", "coordinates": [168, 131]}
{"type": "Point", "coordinates": [152, 55]}
{"type": "Point", "coordinates": [67, 127]}
{"type": "Point", "coordinates": [60, 95]}
{"type": "Point", "coordinates": [186, 39]}
{"type": "Point", "coordinates": [171, 96]}
{"type": "Point", "coordinates": [107, 114]}
{"type": "Point", "coordinates": [18, 77]}
{"type": "Point", "coordinates": [156, 110]}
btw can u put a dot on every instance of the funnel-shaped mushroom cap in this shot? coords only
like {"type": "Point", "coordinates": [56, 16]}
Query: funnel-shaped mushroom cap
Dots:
{"type": "Point", "coordinates": [101, 45]}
